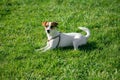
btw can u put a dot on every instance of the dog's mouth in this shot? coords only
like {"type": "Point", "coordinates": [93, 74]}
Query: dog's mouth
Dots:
{"type": "Point", "coordinates": [48, 31]}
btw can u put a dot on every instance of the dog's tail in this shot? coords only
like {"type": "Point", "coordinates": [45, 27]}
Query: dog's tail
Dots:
{"type": "Point", "coordinates": [86, 30]}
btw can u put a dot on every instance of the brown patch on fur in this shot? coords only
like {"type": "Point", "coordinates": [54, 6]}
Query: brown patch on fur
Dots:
{"type": "Point", "coordinates": [45, 24]}
{"type": "Point", "coordinates": [54, 24]}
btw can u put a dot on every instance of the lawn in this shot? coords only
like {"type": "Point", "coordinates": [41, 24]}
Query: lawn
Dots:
{"type": "Point", "coordinates": [21, 33]}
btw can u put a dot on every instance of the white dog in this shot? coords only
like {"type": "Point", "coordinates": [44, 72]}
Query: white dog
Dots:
{"type": "Point", "coordinates": [57, 39]}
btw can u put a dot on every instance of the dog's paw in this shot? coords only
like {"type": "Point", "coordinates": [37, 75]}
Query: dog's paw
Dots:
{"type": "Point", "coordinates": [76, 50]}
{"type": "Point", "coordinates": [38, 50]}
{"type": "Point", "coordinates": [43, 50]}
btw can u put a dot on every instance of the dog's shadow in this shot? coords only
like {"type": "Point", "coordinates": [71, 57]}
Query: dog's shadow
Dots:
{"type": "Point", "coordinates": [87, 47]}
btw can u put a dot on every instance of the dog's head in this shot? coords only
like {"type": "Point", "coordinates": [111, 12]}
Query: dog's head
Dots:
{"type": "Point", "coordinates": [50, 27]}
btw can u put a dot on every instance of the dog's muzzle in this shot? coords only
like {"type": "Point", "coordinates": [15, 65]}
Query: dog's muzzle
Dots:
{"type": "Point", "coordinates": [48, 31]}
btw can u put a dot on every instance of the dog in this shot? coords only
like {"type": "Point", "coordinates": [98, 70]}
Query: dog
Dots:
{"type": "Point", "coordinates": [58, 39]}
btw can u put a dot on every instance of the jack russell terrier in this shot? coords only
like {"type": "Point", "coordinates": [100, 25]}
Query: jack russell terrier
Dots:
{"type": "Point", "coordinates": [57, 39]}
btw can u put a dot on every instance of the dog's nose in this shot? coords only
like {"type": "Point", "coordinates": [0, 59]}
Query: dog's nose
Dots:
{"type": "Point", "coordinates": [48, 31]}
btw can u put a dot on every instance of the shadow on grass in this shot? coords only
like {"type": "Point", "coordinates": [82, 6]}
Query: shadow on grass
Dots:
{"type": "Point", "coordinates": [87, 47]}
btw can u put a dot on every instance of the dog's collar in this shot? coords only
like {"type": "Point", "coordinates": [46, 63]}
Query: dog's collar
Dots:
{"type": "Point", "coordinates": [53, 37]}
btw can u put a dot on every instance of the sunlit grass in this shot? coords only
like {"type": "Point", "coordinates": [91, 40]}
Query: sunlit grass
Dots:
{"type": "Point", "coordinates": [21, 33]}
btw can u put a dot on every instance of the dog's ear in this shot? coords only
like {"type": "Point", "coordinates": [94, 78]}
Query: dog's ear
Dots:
{"type": "Point", "coordinates": [55, 24]}
{"type": "Point", "coordinates": [44, 23]}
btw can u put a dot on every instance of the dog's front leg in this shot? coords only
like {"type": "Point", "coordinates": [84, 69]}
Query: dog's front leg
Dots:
{"type": "Point", "coordinates": [43, 47]}
{"type": "Point", "coordinates": [48, 48]}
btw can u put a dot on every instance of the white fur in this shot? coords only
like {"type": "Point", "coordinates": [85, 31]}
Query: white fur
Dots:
{"type": "Point", "coordinates": [67, 39]}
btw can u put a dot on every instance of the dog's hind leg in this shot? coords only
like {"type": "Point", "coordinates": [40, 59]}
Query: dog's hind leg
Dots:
{"type": "Point", "coordinates": [75, 44]}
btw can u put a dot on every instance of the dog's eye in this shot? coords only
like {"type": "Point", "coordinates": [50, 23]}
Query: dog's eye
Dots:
{"type": "Point", "coordinates": [52, 27]}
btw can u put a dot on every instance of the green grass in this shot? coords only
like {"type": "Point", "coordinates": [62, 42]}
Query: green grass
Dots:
{"type": "Point", "coordinates": [21, 33]}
